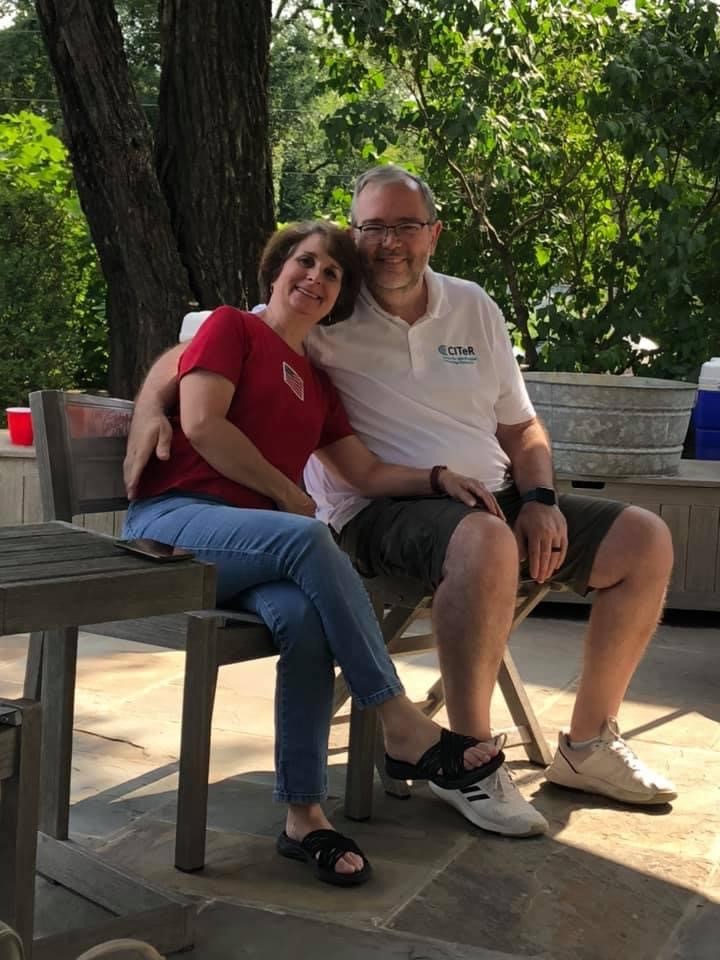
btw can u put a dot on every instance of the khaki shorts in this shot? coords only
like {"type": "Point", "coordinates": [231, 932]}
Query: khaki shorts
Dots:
{"type": "Point", "coordinates": [409, 536]}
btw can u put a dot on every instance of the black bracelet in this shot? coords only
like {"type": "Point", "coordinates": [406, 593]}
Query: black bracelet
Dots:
{"type": "Point", "coordinates": [434, 478]}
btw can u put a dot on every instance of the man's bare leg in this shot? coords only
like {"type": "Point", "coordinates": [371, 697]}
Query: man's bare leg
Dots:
{"type": "Point", "coordinates": [473, 611]}
{"type": "Point", "coordinates": [631, 570]}
{"type": "Point", "coordinates": [472, 614]}
{"type": "Point", "coordinates": [631, 573]}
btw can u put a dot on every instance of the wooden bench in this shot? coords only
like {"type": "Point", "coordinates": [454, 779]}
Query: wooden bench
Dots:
{"type": "Point", "coordinates": [80, 443]}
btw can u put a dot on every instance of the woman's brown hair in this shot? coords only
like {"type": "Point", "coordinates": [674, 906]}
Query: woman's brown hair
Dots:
{"type": "Point", "coordinates": [340, 246]}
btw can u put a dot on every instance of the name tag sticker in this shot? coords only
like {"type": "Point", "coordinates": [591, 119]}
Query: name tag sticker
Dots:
{"type": "Point", "coordinates": [294, 381]}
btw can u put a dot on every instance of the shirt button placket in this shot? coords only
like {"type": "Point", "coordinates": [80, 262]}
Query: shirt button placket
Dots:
{"type": "Point", "coordinates": [418, 362]}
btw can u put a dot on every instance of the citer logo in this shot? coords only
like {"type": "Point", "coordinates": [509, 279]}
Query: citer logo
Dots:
{"type": "Point", "coordinates": [457, 353]}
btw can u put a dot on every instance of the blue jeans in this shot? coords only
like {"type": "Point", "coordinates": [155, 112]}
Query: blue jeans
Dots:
{"type": "Point", "coordinates": [287, 570]}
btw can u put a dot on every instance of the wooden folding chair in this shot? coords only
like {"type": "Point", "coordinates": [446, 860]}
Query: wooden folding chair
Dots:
{"type": "Point", "coordinates": [398, 602]}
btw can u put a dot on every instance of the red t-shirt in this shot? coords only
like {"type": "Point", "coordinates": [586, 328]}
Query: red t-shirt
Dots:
{"type": "Point", "coordinates": [281, 403]}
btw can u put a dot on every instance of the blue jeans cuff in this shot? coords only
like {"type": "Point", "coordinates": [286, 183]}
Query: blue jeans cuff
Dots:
{"type": "Point", "coordinates": [382, 696]}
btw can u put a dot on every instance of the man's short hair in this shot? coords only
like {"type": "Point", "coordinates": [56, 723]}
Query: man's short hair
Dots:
{"type": "Point", "coordinates": [390, 173]}
{"type": "Point", "coordinates": [341, 247]}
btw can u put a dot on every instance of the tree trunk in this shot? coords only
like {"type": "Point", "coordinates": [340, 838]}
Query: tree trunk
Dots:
{"type": "Point", "coordinates": [111, 149]}
{"type": "Point", "coordinates": [213, 150]}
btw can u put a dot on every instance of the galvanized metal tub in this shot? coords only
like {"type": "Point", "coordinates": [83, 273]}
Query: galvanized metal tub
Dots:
{"type": "Point", "coordinates": [610, 426]}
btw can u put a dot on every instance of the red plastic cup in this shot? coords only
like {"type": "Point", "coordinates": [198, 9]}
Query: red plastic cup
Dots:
{"type": "Point", "coordinates": [20, 426]}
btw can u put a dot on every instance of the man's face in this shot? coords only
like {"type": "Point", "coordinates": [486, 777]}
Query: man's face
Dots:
{"type": "Point", "coordinates": [394, 263]}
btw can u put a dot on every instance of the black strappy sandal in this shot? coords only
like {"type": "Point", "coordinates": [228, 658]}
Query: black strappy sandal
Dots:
{"type": "Point", "coordinates": [322, 849]}
{"type": "Point", "coordinates": [446, 755]}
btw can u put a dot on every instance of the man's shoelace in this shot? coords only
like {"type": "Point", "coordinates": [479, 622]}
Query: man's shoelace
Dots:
{"type": "Point", "coordinates": [501, 784]}
{"type": "Point", "coordinates": [623, 750]}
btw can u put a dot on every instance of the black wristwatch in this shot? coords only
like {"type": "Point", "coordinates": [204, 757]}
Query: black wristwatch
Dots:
{"type": "Point", "coordinates": [544, 495]}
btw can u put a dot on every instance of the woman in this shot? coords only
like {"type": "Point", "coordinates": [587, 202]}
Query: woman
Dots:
{"type": "Point", "coordinates": [251, 411]}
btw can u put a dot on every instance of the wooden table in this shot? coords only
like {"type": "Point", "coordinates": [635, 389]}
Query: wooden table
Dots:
{"type": "Point", "coordinates": [54, 576]}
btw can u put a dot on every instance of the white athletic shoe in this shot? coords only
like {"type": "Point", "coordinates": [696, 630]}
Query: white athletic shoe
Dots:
{"type": "Point", "coordinates": [495, 804]}
{"type": "Point", "coordinates": [608, 766]}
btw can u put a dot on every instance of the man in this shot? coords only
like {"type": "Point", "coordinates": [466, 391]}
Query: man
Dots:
{"type": "Point", "coordinates": [426, 372]}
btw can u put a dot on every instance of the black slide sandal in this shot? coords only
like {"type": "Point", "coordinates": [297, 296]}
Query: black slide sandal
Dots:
{"type": "Point", "coordinates": [446, 755]}
{"type": "Point", "coordinates": [322, 849]}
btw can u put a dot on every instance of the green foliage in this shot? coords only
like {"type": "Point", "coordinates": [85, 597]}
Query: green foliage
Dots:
{"type": "Point", "coordinates": [141, 33]}
{"type": "Point", "coordinates": [575, 152]}
{"type": "Point", "coordinates": [659, 110]}
{"type": "Point", "coordinates": [25, 78]}
{"type": "Point", "coordinates": [313, 169]}
{"type": "Point", "coordinates": [51, 294]}
{"type": "Point", "coordinates": [310, 180]}
{"type": "Point", "coordinates": [31, 156]}
{"type": "Point", "coordinates": [574, 148]}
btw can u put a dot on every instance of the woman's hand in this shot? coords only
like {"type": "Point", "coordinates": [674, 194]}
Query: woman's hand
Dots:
{"type": "Point", "coordinates": [468, 491]}
{"type": "Point", "coordinates": [295, 500]}
{"type": "Point", "coordinates": [149, 433]}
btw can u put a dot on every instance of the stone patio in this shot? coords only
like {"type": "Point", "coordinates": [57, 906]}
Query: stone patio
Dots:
{"type": "Point", "coordinates": [607, 884]}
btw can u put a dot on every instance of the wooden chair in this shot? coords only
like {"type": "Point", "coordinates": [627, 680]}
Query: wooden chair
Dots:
{"type": "Point", "coordinates": [80, 444]}
{"type": "Point", "coordinates": [398, 602]}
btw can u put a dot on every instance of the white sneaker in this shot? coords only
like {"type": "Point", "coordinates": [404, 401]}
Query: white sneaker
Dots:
{"type": "Point", "coordinates": [495, 804]}
{"type": "Point", "coordinates": [608, 766]}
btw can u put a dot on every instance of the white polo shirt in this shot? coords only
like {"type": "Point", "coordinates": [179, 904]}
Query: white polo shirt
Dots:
{"type": "Point", "coordinates": [431, 392]}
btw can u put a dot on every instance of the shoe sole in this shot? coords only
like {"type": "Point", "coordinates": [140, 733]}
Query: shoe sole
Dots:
{"type": "Point", "coordinates": [487, 825]}
{"type": "Point", "coordinates": [593, 786]}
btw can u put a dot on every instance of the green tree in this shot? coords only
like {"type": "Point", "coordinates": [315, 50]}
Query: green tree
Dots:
{"type": "Point", "coordinates": [311, 179]}
{"type": "Point", "coordinates": [26, 80]}
{"type": "Point", "coordinates": [658, 111]}
{"type": "Point", "coordinates": [491, 100]}
{"type": "Point", "coordinates": [177, 219]}
{"type": "Point", "coordinates": [51, 292]}
{"type": "Point", "coordinates": [513, 111]}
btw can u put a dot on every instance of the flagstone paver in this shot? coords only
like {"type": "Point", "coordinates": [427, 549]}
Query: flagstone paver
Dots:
{"type": "Point", "coordinates": [607, 883]}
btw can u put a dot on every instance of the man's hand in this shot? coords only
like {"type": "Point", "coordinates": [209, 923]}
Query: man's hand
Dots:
{"type": "Point", "coordinates": [541, 534]}
{"type": "Point", "coordinates": [295, 500]}
{"type": "Point", "coordinates": [468, 491]}
{"type": "Point", "coordinates": [148, 434]}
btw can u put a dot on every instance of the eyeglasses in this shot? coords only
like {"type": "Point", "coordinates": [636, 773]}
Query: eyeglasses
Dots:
{"type": "Point", "coordinates": [376, 232]}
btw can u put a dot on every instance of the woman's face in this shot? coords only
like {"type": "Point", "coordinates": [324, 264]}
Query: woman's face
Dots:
{"type": "Point", "coordinates": [309, 281]}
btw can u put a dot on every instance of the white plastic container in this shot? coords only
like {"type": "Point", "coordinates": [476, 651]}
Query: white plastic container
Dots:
{"type": "Point", "coordinates": [192, 323]}
{"type": "Point", "coordinates": [710, 375]}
